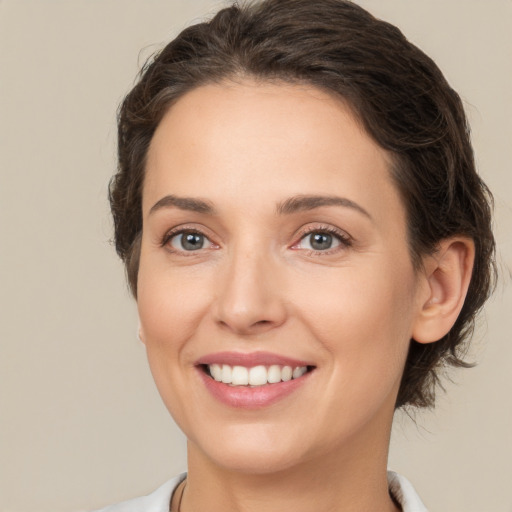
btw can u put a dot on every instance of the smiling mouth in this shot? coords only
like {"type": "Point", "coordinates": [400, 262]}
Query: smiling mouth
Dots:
{"type": "Point", "coordinates": [254, 376]}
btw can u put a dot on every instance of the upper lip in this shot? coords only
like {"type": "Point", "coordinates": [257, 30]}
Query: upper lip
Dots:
{"type": "Point", "coordinates": [250, 359]}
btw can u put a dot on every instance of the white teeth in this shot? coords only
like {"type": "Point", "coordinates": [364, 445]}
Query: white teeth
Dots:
{"type": "Point", "coordinates": [255, 376]}
{"type": "Point", "coordinates": [299, 372]}
{"type": "Point", "coordinates": [226, 374]}
{"type": "Point", "coordinates": [286, 373]}
{"type": "Point", "coordinates": [274, 374]}
{"type": "Point", "coordinates": [216, 371]}
{"type": "Point", "coordinates": [240, 376]}
{"type": "Point", "coordinates": [258, 376]}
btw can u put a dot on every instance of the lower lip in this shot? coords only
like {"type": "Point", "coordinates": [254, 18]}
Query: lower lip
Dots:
{"type": "Point", "coordinates": [256, 397]}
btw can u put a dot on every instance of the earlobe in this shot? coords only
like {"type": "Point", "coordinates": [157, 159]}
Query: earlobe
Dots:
{"type": "Point", "coordinates": [447, 275]}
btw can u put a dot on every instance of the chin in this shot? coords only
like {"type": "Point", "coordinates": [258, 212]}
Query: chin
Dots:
{"type": "Point", "coordinates": [251, 451]}
{"type": "Point", "coordinates": [255, 462]}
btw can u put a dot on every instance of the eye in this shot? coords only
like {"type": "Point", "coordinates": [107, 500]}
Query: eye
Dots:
{"type": "Point", "coordinates": [188, 241]}
{"type": "Point", "coordinates": [319, 241]}
{"type": "Point", "coordinates": [323, 240]}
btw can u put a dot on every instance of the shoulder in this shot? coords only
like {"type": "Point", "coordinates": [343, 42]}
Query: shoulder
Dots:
{"type": "Point", "coordinates": [404, 493]}
{"type": "Point", "coordinates": [157, 501]}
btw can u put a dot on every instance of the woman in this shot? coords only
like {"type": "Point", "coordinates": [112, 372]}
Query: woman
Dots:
{"type": "Point", "coordinates": [308, 243]}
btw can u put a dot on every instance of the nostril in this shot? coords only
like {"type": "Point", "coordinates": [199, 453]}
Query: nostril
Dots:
{"type": "Point", "coordinates": [249, 320]}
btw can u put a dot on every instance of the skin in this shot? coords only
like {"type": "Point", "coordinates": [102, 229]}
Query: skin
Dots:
{"type": "Point", "coordinates": [256, 285]}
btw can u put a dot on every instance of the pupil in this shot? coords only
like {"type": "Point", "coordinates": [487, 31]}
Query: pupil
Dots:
{"type": "Point", "coordinates": [321, 241]}
{"type": "Point", "coordinates": [192, 241]}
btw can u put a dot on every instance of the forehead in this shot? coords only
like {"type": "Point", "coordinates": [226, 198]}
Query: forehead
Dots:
{"type": "Point", "coordinates": [265, 140]}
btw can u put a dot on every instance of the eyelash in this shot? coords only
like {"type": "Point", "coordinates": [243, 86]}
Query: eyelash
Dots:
{"type": "Point", "coordinates": [344, 240]}
{"type": "Point", "coordinates": [180, 231]}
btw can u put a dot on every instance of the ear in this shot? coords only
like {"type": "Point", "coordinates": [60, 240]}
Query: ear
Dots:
{"type": "Point", "coordinates": [140, 333]}
{"type": "Point", "coordinates": [447, 275]}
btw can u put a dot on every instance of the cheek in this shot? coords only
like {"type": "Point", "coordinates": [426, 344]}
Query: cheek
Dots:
{"type": "Point", "coordinates": [169, 305]}
{"type": "Point", "coordinates": [358, 301]}
{"type": "Point", "coordinates": [363, 319]}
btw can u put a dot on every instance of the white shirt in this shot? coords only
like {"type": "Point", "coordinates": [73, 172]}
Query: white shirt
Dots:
{"type": "Point", "coordinates": [158, 501]}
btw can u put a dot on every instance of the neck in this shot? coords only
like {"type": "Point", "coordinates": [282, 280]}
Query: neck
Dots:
{"type": "Point", "coordinates": [352, 479]}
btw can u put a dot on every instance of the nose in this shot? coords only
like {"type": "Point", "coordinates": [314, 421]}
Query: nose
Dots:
{"type": "Point", "coordinates": [250, 298]}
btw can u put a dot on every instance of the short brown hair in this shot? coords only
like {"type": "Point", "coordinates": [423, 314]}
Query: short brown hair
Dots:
{"type": "Point", "coordinates": [395, 90]}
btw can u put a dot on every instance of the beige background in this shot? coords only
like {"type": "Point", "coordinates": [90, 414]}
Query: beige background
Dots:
{"type": "Point", "coordinates": [81, 424]}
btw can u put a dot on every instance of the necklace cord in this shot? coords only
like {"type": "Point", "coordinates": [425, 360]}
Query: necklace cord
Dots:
{"type": "Point", "coordinates": [183, 485]}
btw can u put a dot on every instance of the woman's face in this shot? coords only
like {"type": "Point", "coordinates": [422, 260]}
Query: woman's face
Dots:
{"type": "Point", "coordinates": [274, 237]}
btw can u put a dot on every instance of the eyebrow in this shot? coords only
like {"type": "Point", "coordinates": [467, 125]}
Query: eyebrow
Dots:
{"type": "Point", "coordinates": [310, 202]}
{"type": "Point", "coordinates": [184, 203]}
{"type": "Point", "coordinates": [291, 205]}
